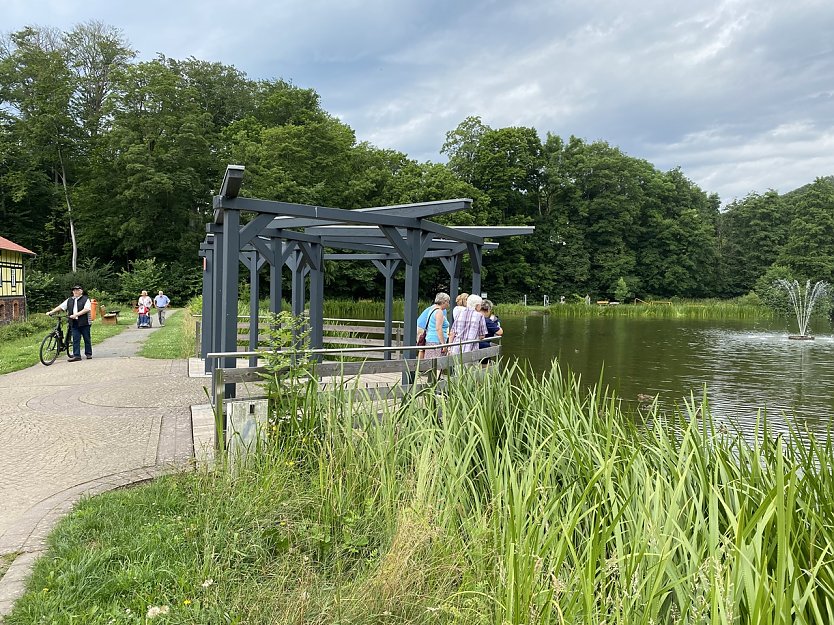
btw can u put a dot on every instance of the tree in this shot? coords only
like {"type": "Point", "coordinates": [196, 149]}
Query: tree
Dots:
{"type": "Point", "coordinates": [752, 233]}
{"type": "Point", "coordinates": [809, 249]}
{"type": "Point", "coordinates": [461, 147]}
{"type": "Point", "coordinates": [38, 86]}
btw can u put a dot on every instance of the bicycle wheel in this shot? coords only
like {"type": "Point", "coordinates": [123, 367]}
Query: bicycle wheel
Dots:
{"type": "Point", "coordinates": [50, 347]}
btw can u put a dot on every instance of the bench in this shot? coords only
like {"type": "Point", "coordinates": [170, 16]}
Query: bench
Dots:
{"type": "Point", "coordinates": [111, 317]}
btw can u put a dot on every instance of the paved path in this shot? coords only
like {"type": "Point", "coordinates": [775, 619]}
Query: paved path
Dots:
{"type": "Point", "coordinates": [75, 429]}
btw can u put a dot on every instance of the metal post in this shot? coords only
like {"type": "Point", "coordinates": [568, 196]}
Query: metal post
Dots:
{"type": "Point", "coordinates": [317, 296]}
{"type": "Point", "coordinates": [296, 263]}
{"type": "Point", "coordinates": [216, 299]}
{"type": "Point", "coordinates": [253, 307]}
{"type": "Point", "coordinates": [387, 269]}
{"type": "Point", "coordinates": [229, 290]}
{"type": "Point", "coordinates": [206, 322]}
{"type": "Point", "coordinates": [275, 275]}
{"type": "Point", "coordinates": [475, 258]}
{"type": "Point", "coordinates": [412, 291]}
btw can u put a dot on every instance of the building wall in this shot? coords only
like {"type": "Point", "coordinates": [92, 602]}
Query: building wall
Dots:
{"type": "Point", "coordinates": [11, 274]}
{"type": "Point", "coordinates": [12, 309]}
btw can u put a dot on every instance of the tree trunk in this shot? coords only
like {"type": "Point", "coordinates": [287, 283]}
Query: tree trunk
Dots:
{"type": "Point", "coordinates": [69, 213]}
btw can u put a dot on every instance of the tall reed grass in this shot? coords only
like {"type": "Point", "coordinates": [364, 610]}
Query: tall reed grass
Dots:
{"type": "Point", "coordinates": [704, 309]}
{"type": "Point", "coordinates": [546, 504]}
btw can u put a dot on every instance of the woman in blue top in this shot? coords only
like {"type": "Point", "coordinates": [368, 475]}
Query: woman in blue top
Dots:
{"type": "Point", "coordinates": [434, 322]}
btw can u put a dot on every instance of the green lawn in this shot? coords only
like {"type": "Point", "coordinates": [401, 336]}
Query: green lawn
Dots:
{"type": "Point", "coordinates": [22, 352]}
{"type": "Point", "coordinates": [174, 340]}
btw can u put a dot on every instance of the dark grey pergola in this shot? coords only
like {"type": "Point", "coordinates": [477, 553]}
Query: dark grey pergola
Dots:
{"type": "Point", "coordinates": [296, 235]}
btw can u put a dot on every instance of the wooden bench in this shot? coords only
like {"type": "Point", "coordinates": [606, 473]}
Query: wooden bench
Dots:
{"type": "Point", "coordinates": [111, 317]}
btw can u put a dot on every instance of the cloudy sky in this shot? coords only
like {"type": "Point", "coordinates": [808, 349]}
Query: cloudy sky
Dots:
{"type": "Point", "coordinates": [737, 93]}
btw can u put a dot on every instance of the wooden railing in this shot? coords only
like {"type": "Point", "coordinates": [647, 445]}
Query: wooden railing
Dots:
{"type": "Point", "coordinates": [336, 332]}
{"type": "Point", "coordinates": [409, 368]}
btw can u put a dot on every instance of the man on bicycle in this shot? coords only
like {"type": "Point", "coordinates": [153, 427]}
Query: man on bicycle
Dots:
{"type": "Point", "coordinates": [78, 312]}
{"type": "Point", "coordinates": [161, 302]}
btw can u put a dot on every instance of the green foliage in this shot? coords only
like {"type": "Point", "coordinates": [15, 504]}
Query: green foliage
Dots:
{"type": "Point", "coordinates": [289, 378]}
{"type": "Point", "coordinates": [771, 294]}
{"type": "Point", "coordinates": [621, 290]}
{"type": "Point", "coordinates": [36, 324]}
{"type": "Point", "coordinates": [143, 275]}
{"type": "Point", "coordinates": [42, 291]}
{"type": "Point", "coordinates": [91, 275]}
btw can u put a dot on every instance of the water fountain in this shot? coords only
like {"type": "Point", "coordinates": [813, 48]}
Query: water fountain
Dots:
{"type": "Point", "coordinates": [803, 301]}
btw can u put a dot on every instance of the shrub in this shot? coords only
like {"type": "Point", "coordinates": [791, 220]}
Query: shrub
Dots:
{"type": "Point", "coordinates": [143, 275]}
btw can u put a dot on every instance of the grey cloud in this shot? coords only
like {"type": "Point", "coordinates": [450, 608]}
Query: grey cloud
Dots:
{"type": "Point", "coordinates": [735, 92]}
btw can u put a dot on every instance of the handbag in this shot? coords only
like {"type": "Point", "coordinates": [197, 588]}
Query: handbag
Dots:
{"type": "Point", "coordinates": [421, 340]}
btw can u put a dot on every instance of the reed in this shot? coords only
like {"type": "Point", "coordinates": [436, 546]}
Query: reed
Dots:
{"type": "Point", "coordinates": [507, 499]}
{"type": "Point", "coordinates": [703, 309]}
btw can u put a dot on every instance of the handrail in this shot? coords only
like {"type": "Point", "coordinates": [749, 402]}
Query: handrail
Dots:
{"type": "Point", "coordinates": [336, 350]}
{"type": "Point", "coordinates": [393, 321]}
{"type": "Point", "coordinates": [218, 392]}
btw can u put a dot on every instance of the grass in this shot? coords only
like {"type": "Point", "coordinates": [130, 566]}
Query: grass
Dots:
{"type": "Point", "coordinates": [676, 308]}
{"type": "Point", "coordinates": [21, 352]}
{"type": "Point", "coordinates": [176, 339]}
{"type": "Point", "coordinates": [695, 309]}
{"type": "Point", "coordinates": [6, 561]}
{"type": "Point", "coordinates": [498, 502]}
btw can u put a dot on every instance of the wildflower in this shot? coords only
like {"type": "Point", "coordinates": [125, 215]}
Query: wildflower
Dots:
{"type": "Point", "coordinates": [186, 602]}
{"type": "Point", "coordinates": [432, 609]}
{"type": "Point", "coordinates": [45, 590]}
{"type": "Point", "coordinates": [157, 610]}
{"type": "Point", "coordinates": [207, 583]}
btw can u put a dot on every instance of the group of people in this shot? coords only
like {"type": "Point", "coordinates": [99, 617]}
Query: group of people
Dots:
{"type": "Point", "coordinates": [144, 305]}
{"type": "Point", "coordinates": [473, 320]}
{"type": "Point", "coordinates": [78, 307]}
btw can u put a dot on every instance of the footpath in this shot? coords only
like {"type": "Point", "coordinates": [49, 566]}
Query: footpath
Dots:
{"type": "Point", "coordinates": [77, 429]}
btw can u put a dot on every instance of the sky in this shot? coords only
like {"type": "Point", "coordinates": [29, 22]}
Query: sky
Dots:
{"type": "Point", "coordinates": [737, 93]}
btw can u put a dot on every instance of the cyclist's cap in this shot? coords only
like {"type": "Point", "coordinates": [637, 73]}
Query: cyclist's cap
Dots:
{"type": "Point", "coordinates": [77, 286]}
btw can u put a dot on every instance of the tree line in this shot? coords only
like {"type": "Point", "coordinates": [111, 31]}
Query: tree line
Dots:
{"type": "Point", "coordinates": [106, 162]}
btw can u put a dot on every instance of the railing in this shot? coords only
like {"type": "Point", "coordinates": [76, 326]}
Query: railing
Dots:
{"type": "Point", "coordinates": [360, 332]}
{"type": "Point", "coordinates": [409, 367]}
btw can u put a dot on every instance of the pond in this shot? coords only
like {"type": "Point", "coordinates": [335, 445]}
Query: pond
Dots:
{"type": "Point", "coordinates": [744, 365]}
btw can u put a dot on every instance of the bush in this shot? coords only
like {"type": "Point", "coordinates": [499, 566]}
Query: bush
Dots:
{"type": "Point", "coordinates": [42, 291]}
{"type": "Point", "coordinates": [771, 294]}
{"type": "Point", "coordinates": [19, 329]}
{"type": "Point", "coordinates": [143, 275]}
{"type": "Point", "coordinates": [183, 282]}
{"type": "Point", "coordinates": [90, 275]}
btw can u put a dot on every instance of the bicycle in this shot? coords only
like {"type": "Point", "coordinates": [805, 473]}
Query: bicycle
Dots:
{"type": "Point", "coordinates": [54, 343]}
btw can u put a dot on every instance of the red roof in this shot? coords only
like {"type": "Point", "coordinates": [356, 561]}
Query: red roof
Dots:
{"type": "Point", "coordinates": [5, 244]}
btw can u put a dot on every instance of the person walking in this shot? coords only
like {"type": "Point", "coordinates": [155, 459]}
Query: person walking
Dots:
{"type": "Point", "coordinates": [161, 302]}
{"type": "Point", "coordinates": [78, 312]}
{"type": "Point", "coordinates": [143, 308]}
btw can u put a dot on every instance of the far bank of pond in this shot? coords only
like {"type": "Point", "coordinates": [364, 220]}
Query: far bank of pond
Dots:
{"type": "Point", "coordinates": [744, 364]}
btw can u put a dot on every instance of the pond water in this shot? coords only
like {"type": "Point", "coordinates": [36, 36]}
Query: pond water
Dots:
{"type": "Point", "coordinates": [744, 365]}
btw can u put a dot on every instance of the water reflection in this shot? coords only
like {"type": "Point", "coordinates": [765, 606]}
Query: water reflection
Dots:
{"type": "Point", "coordinates": [745, 366]}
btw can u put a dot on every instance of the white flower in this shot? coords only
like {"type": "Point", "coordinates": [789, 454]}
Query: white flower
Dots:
{"type": "Point", "coordinates": [207, 583]}
{"type": "Point", "coordinates": [156, 610]}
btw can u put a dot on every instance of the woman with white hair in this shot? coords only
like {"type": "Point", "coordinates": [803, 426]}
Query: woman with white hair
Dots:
{"type": "Point", "coordinates": [468, 326]}
{"type": "Point", "coordinates": [434, 323]}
